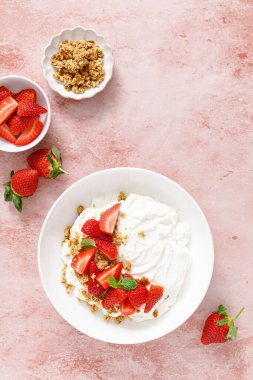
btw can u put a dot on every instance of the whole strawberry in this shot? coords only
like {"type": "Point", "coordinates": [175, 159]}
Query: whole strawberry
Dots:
{"type": "Point", "coordinates": [47, 162]}
{"type": "Point", "coordinates": [23, 183]}
{"type": "Point", "coordinates": [219, 327]}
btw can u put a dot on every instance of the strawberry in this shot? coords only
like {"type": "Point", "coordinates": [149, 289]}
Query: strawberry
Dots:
{"type": "Point", "coordinates": [4, 92]}
{"type": "Point", "coordinates": [23, 183]}
{"type": "Point", "coordinates": [7, 107]}
{"type": "Point", "coordinates": [91, 229]}
{"type": "Point", "coordinates": [126, 308]}
{"type": "Point", "coordinates": [47, 162]}
{"type": "Point", "coordinates": [17, 124]}
{"type": "Point", "coordinates": [29, 108]}
{"type": "Point", "coordinates": [114, 297]}
{"type": "Point", "coordinates": [108, 219]}
{"type": "Point", "coordinates": [81, 261]}
{"type": "Point", "coordinates": [154, 295]}
{"type": "Point", "coordinates": [29, 94]}
{"type": "Point", "coordinates": [30, 133]}
{"type": "Point", "coordinates": [93, 286]}
{"type": "Point", "coordinates": [108, 249]}
{"type": "Point", "coordinates": [114, 271]}
{"type": "Point", "coordinates": [138, 296]}
{"type": "Point", "coordinates": [6, 134]}
{"type": "Point", "coordinates": [219, 327]}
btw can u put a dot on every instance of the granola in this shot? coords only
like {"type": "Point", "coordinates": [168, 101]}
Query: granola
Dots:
{"type": "Point", "coordinates": [79, 65]}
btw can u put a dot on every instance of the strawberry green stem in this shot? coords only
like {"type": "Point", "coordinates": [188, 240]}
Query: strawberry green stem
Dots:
{"type": "Point", "coordinates": [238, 314]}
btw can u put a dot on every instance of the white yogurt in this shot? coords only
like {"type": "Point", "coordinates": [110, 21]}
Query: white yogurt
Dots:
{"type": "Point", "coordinates": [162, 256]}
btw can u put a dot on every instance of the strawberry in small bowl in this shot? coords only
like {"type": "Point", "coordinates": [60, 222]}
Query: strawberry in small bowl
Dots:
{"type": "Point", "coordinates": [25, 113]}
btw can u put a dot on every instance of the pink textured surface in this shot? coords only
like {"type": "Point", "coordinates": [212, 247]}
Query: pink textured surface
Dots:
{"type": "Point", "coordinates": [180, 103]}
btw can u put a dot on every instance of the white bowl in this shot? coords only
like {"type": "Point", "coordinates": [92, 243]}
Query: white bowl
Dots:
{"type": "Point", "coordinates": [16, 83]}
{"type": "Point", "coordinates": [77, 33]}
{"type": "Point", "coordinates": [63, 213]}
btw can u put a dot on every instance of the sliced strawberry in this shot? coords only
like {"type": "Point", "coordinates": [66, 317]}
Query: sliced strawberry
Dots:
{"type": "Point", "coordinates": [114, 270]}
{"type": "Point", "coordinates": [17, 124]}
{"type": "Point", "coordinates": [138, 296]}
{"type": "Point", "coordinates": [6, 134]}
{"type": "Point", "coordinates": [4, 92]}
{"type": "Point", "coordinates": [7, 107]}
{"type": "Point", "coordinates": [91, 229]}
{"type": "Point", "coordinates": [108, 249]}
{"type": "Point", "coordinates": [27, 94]}
{"type": "Point", "coordinates": [126, 308]}
{"type": "Point", "coordinates": [154, 295]}
{"type": "Point", "coordinates": [29, 108]}
{"type": "Point", "coordinates": [30, 133]}
{"type": "Point", "coordinates": [94, 288]}
{"type": "Point", "coordinates": [81, 262]}
{"type": "Point", "coordinates": [108, 219]}
{"type": "Point", "coordinates": [114, 297]}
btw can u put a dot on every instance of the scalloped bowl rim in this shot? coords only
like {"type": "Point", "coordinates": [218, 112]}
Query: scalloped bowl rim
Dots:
{"type": "Point", "coordinates": [57, 87]}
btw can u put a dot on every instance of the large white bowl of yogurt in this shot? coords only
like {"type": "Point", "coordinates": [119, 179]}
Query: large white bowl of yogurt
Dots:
{"type": "Point", "coordinates": [176, 253]}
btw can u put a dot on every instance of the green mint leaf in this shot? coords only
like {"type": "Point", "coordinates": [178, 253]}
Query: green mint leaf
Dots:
{"type": "Point", "coordinates": [87, 243]}
{"type": "Point", "coordinates": [127, 283]}
{"type": "Point", "coordinates": [222, 310]}
{"type": "Point", "coordinates": [232, 332]}
{"type": "Point", "coordinates": [112, 282]}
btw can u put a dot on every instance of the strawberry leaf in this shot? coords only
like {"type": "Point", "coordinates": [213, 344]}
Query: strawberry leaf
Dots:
{"type": "Point", "coordinates": [87, 243]}
{"type": "Point", "coordinates": [112, 282]}
{"type": "Point", "coordinates": [17, 200]}
{"type": "Point", "coordinates": [232, 332]}
{"type": "Point", "coordinates": [7, 192]}
{"type": "Point", "coordinates": [127, 283]}
{"type": "Point", "coordinates": [56, 153]}
{"type": "Point", "coordinates": [222, 310]}
{"type": "Point", "coordinates": [223, 321]}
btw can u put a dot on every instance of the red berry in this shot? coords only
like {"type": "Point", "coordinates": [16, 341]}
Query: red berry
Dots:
{"type": "Point", "coordinates": [114, 297]}
{"type": "Point", "coordinates": [154, 295]}
{"type": "Point", "coordinates": [108, 249]}
{"type": "Point", "coordinates": [30, 133]}
{"type": "Point", "coordinates": [114, 270]}
{"type": "Point", "coordinates": [81, 261]}
{"type": "Point", "coordinates": [6, 134]}
{"type": "Point", "coordinates": [17, 124]}
{"type": "Point", "coordinates": [29, 108]}
{"type": "Point", "coordinates": [108, 219]}
{"type": "Point", "coordinates": [91, 229]}
{"type": "Point", "coordinates": [94, 288]}
{"type": "Point", "coordinates": [7, 107]}
{"type": "Point", "coordinates": [4, 92]}
{"type": "Point", "coordinates": [138, 296]}
{"type": "Point", "coordinates": [126, 308]}
{"type": "Point", "coordinates": [47, 162]}
{"type": "Point", "coordinates": [29, 94]}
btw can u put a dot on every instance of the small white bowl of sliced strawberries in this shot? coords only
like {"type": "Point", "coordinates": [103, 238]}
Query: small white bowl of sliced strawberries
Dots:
{"type": "Point", "coordinates": [24, 113]}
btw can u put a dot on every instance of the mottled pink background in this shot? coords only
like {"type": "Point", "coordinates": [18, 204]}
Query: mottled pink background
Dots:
{"type": "Point", "coordinates": [180, 103]}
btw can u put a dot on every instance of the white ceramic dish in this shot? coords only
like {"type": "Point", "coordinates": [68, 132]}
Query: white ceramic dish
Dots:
{"type": "Point", "coordinates": [16, 83]}
{"type": "Point", "coordinates": [77, 33]}
{"type": "Point", "coordinates": [63, 213]}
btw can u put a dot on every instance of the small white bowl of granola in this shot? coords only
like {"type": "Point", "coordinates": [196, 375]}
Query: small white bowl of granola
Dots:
{"type": "Point", "coordinates": [77, 63]}
{"type": "Point", "coordinates": [142, 238]}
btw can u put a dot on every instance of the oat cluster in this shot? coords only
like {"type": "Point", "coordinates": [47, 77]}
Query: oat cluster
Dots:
{"type": "Point", "coordinates": [79, 65]}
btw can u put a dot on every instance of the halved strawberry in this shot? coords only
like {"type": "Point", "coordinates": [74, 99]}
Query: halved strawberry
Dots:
{"type": "Point", "coordinates": [81, 261]}
{"type": "Point", "coordinates": [7, 107]}
{"type": "Point", "coordinates": [17, 124]}
{"type": "Point", "coordinates": [114, 297]}
{"type": "Point", "coordinates": [29, 108]}
{"type": "Point", "coordinates": [108, 219]}
{"type": "Point", "coordinates": [30, 133]}
{"type": "Point", "coordinates": [91, 229]}
{"type": "Point", "coordinates": [27, 94]}
{"type": "Point", "coordinates": [6, 134]}
{"type": "Point", "coordinates": [126, 308]}
{"type": "Point", "coordinates": [138, 296]}
{"type": "Point", "coordinates": [4, 92]}
{"type": "Point", "coordinates": [114, 270]}
{"type": "Point", "coordinates": [154, 295]}
{"type": "Point", "coordinates": [94, 288]}
{"type": "Point", "coordinates": [108, 249]}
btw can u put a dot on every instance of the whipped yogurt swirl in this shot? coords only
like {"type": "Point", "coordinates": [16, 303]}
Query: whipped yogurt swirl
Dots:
{"type": "Point", "coordinates": [156, 246]}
